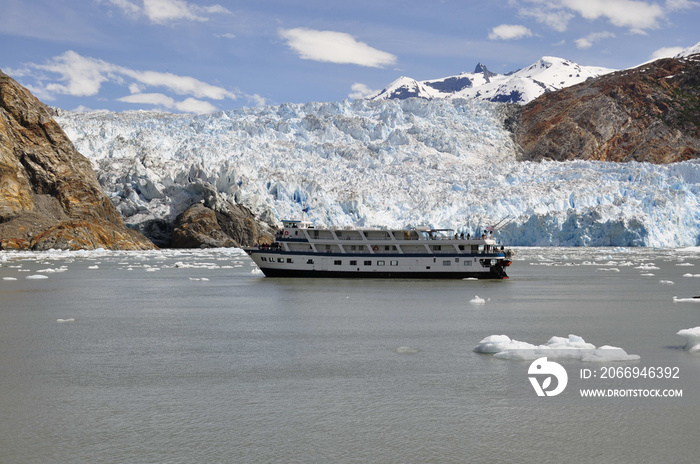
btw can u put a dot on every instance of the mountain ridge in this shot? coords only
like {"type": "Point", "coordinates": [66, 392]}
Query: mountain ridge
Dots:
{"type": "Point", "coordinates": [547, 74]}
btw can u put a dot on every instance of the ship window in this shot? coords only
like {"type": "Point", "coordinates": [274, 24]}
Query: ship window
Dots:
{"type": "Point", "coordinates": [394, 263]}
{"type": "Point", "coordinates": [437, 247]}
{"type": "Point", "coordinates": [461, 247]}
{"type": "Point", "coordinates": [310, 261]}
{"type": "Point", "coordinates": [475, 248]}
{"type": "Point", "coordinates": [280, 260]}
{"type": "Point", "coordinates": [353, 263]}
{"type": "Point", "coordinates": [338, 262]}
{"type": "Point", "coordinates": [380, 263]}
{"type": "Point", "coordinates": [290, 260]}
{"type": "Point", "coordinates": [456, 260]}
{"type": "Point", "coordinates": [263, 259]}
{"type": "Point", "coordinates": [467, 263]}
{"type": "Point", "coordinates": [447, 263]}
{"type": "Point", "coordinates": [368, 263]}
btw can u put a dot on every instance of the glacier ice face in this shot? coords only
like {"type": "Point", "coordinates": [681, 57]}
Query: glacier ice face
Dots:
{"type": "Point", "coordinates": [393, 163]}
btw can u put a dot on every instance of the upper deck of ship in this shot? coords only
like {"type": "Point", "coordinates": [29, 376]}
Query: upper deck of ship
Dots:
{"type": "Point", "coordinates": [302, 231]}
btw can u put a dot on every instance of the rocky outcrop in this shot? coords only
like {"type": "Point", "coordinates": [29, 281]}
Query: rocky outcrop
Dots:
{"type": "Point", "coordinates": [650, 113]}
{"type": "Point", "coordinates": [214, 222]}
{"type": "Point", "coordinates": [49, 194]}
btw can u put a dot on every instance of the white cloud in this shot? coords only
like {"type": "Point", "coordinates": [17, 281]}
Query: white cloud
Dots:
{"type": "Point", "coordinates": [168, 11]}
{"type": "Point", "coordinates": [666, 52]}
{"type": "Point", "coordinates": [181, 85]}
{"type": "Point", "coordinates": [632, 14]}
{"type": "Point", "coordinates": [587, 42]}
{"type": "Point", "coordinates": [557, 19]}
{"type": "Point", "coordinates": [635, 15]}
{"type": "Point", "coordinates": [334, 47]}
{"type": "Point", "coordinates": [675, 5]}
{"type": "Point", "coordinates": [509, 32]}
{"type": "Point", "coordinates": [189, 105]}
{"type": "Point", "coordinates": [84, 76]}
{"type": "Point", "coordinates": [360, 90]}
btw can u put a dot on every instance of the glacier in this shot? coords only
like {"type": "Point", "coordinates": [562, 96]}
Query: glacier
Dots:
{"type": "Point", "coordinates": [389, 163]}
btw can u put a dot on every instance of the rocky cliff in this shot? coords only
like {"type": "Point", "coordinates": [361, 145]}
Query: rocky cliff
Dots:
{"type": "Point", "coordinates": [649, 113]}
{"type": "Point", "coordinates": [49, 194]}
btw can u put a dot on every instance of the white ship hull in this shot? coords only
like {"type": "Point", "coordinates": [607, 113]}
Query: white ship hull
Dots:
{"type": "Point", "coordinates": [309, 252]}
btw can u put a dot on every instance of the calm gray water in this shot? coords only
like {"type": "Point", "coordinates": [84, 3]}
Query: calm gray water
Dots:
{"type": "Point", "coordinates": [158, 365]}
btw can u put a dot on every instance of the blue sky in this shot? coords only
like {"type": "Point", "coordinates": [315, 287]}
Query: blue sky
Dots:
{"type": "Point", "coordinates": [200, 56]}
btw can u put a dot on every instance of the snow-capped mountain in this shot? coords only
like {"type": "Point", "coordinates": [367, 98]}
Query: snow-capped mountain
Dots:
{"type": "Point", "coordinates": [394, 163]}
{"type": "Point", "coordinates": [546, 75]}
{"type": "Point", "coordinates": [694, 50]}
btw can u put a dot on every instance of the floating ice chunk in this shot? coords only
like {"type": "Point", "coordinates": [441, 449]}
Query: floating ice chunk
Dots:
{"type": "Point", "coordinates": [647, 267]}
{"type": "Point", "coordinates": [406, 350]}
{"type": "Point", "coordinates": [667, 282]}
{"type": "Point", "coordinates": [36, 277]}
{"type": "Point", "coordinates": [647, 274]}
{"type": "Point", "coordinates": [572, 347]}
{"type": "Point", "coordinates": [9, 278]}
{"type": "Point", "coordinates": [691, 275]}
{"type": "Point", "coordinates": [66, 320]}
{"type": "Point", "coordinates": [692, 338]}
{"type": "Point", "coordinates": [498, 343]}
{"type": "Point", "coordinates": [608, 269]}
{"type": "Point", "coordinates": [685, 264]}
{"type": "Point", "coordinates": [93, 267]}
{"type": "Point", "coordinates": [203, 279]}
{"type": "Point", "coordinates": [607, 353]}
{"type": "Point", "coordinates": [695, 299]}
{"type": "Point", "coordinates": [477, 300]}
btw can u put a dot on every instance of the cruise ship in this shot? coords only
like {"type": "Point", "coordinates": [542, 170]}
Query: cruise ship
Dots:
{"type": "Point", "coordinates": [301, 250]}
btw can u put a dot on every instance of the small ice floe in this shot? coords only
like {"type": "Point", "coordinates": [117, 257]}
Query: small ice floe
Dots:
{"type": "Point", "coordinates": [608, 269]}
{"type": "Point", "coordinates": [9, 278]}
{"type": "Point", "coordinates": [692, 338]}
{"type": "Point", "coordinates": [406, 350]}
{"type": "Point", "coordinates": [685, 264]}
{"type": "Point", "coordinates": [647, 267]}
{"type": "Point", "coordinates": [52, 270]}
{"type": "Point", "coordinates": [66, 320]}
{"type": "Point", "coordinates": [477, 300]}
{"type": "Point", "coordinates": [691, 275]}
{"type": "Point", "coordinates": [647, 274]}
{"type": "Point", "coordinates": [694, 299]}
{"type": "Point", "coordinates": [93, 267]}
{"type": "Point", "coordinates": [202, 279]}
{"type": "Point", "coordinates": [152, 269]}
{"type": "Point", "coordinates": [36, 277]}
{"type": "Point", "coordinates": [667, 282]}
{"type": "Point", "coordinates": [571, 347]}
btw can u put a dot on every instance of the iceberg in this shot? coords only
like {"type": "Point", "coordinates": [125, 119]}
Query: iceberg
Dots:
{"type": "Point", "coordinates": [571, 347]}
{"type": "Point", "coordinates": [692, 338]}
{"type": "Point", "coordinates": [392, 163]}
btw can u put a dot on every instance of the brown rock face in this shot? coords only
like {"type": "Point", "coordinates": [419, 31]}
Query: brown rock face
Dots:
{"type": "Point", "coordinates": [231, 226]}
{"type": "Point", "coordinates": [49, 194]}
{"type": "Point", "coordinates": [650, 113]}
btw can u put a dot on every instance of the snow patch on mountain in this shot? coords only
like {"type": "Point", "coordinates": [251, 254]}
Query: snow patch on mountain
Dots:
{"type": "Point", "coordinates": [546, 75]}
{"type": "Point", "coordinates": [694, 50]}
{"type": "Point", "coordinates": [391, 163]}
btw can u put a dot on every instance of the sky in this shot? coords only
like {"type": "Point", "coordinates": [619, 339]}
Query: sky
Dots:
{"type": "Point", "coordinates": [201, 56]}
